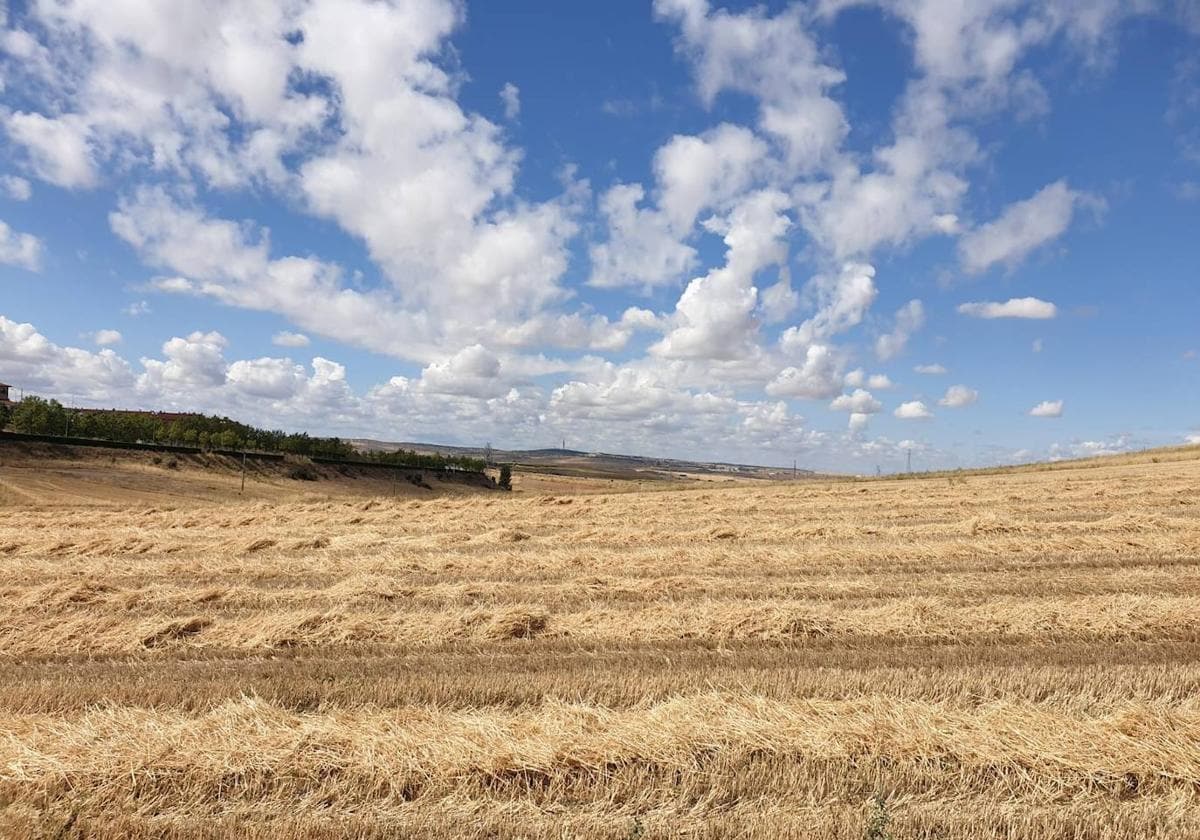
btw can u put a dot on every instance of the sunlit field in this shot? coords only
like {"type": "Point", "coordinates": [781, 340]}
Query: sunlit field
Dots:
{"type": "Point", "coordinates": [959, 656]}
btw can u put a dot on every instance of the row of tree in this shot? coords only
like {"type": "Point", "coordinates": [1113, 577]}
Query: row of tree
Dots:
{"type": "Point", "coordinates": [407, 458]}
{"type": "Point", "coordinates": [37, 416]}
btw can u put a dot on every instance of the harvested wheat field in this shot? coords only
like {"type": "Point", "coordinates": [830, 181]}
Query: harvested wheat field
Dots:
{"type": "Point", "coordinates": [1002, 655]}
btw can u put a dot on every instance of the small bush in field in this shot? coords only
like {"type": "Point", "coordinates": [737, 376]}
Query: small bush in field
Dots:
{"type": "Point", "coordinates": [303, 472]}
{"type": "Point", "coordinates": [877, 821]}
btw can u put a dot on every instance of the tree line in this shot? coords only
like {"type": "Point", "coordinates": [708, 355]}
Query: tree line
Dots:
{"type": "Point", "coordinates": [36, 416]}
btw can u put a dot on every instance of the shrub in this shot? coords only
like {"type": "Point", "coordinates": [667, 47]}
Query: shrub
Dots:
{"type": "Point", "coordinates": [505, 482]}
{"type": "Point", "coordinates": [303, 472]}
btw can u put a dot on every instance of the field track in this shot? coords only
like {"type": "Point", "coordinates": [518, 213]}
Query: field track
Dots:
{"type": "Point", "coordinates": [1010, 655]}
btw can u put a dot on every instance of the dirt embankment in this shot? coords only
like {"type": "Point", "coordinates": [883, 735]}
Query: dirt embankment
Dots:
{"type": "Point", "coordinates": [55, 474]}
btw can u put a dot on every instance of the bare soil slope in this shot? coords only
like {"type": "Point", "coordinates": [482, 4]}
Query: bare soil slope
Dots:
{"type": "Point", "coordinates": [986, 656]}
{"type": "Point", "coordinates": [55, 475]}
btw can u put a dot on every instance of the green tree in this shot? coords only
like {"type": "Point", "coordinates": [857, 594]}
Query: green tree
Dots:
{"type": "Point", "coordinates": [36, 416]}
{"type": "Point", "coordinates": [5, 416]}
{"type": "Point", "coordinates": [505, 482]}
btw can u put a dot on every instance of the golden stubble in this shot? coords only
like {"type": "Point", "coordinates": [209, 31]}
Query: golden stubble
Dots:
{"type": "Point", "coordinates": [973, 655]}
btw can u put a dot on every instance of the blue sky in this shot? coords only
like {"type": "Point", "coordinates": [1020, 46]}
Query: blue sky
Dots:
{"type": "Point", "coordinates": [829, 231]}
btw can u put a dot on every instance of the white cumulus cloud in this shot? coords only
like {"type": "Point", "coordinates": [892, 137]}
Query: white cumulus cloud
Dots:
{"type": "Point", "coordinates": [818, 377]}
{"type": "Point", "coordinates": [16, 188]}
{"type": "Point", "coordinates": [268, 378]}
{"type": "Point", "coordinates": [471, 372]}
{"type": "Point", "coordinates": [285, 338]}
{"type": "Point", "coordinates": [1026, 307]}
{"type": "Point", "coordinates": [909, 319]}
{"type": "Point", "coordinates": [647, 243]}
{"type": "Point", "coordinates": [196, 361]}
{"type": "Point", "coordinates": [914, 410]}
{"type": "Point", "coordinates": [959, 396]}
{"type": "Point", "coordinates": [1047, 408]}
{"type": "Point", "coordinates": [58, 147]}
{"type": "Point", "coordinates": [23, 250]}
{"type": "Point", "coordinates": [714, 318]}
{"type": "Point", "coordinates": [106, 338]}
{"type": "Point", "coordinates": [510, 97]}
{"type": "Point", "coordinates": [33, 362]}
{"type": "Point", "coordinates": [858, 402]}
{"type": "Point", "coordinates": [1022, 228]}
{"type": "Point", "coordinates": [841, 301]}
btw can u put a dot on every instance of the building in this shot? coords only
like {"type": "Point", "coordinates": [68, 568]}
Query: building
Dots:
{"type": "Point", "coordinates": [4, 398]}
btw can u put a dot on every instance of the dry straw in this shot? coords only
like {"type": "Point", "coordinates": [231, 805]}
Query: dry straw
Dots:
{"type": "Point", "coordinates": [994, 656]}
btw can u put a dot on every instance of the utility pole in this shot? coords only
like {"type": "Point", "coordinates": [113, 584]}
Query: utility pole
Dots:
{"type": "Point", "coordinates": [793, 469]}
{"type": "Point", "coordinates": [243, 490]}
{"type": "Point", "coordinates": [909, 460]}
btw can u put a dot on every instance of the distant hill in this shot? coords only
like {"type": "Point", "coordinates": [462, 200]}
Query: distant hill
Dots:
{"type": "Point", "coordinates": [601, 464]}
